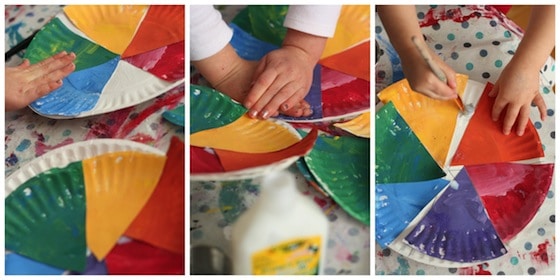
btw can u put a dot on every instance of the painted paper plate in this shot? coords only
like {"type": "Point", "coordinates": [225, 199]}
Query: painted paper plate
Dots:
{"type": "Point", "coordinates": [359, 126]}
{"type": "Point", "coordinates": [103, 81]}
{"type": "Point", "coordinates": [46, 177]}
{"type": "Point", "coordinates": [341, 165]}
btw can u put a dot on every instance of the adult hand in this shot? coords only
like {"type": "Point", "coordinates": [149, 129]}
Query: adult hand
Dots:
{"type": "Point", "coordinates": [514, 90]}
{"type": "Point", "coordinates": [26, 83]}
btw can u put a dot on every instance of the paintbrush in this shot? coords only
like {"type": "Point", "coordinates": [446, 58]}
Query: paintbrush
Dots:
{"type": "Point", "coordinates": [20, 46]}
{"type": "Point", "coordinates": [435, 68]}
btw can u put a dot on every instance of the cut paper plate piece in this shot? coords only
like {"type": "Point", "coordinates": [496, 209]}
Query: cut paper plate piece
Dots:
{"type": "Point", "coordinates": [352, 28]}
{"type": "Point", "coordinates": [139, 258]}
{"type": "Point", "coordinates": [484, 142]}
{"type": "Point", "coordinates": [359, 126]}
{"type": "Point", "coordinates": [399, 155]}
{"type": "Point", "coordinates": [166, 63]}
{"type": "Point", "coordinates": [20, 265]}
{"type": "Point", "coordinates": [118, 185]}
{"type": "Point", "coordinates": [247, 46]}
{"type": "Point", "coordinates": [44, 218]}
{"type": "Point", "coordinates": [161, 222]}
{"type": "Point", "coordinates": [512, 193]}
{"type": "Point", "coordinates": [247, 135]}
{"type": "Point", "coordinates": [353, 61]}
{"type": "Point", "coordinates": [396, 205]}
{"type": "Point", "coordinates": [302, 167]}
{"type": "Point", "coordinates": [232, 161]}
{"type": "Point", "coordinates": [80, 92]}
{"type": "Point", "coordinates": [204, 160]}
{"type": "Point", "coordinates": [176, 116]}
{"type": "Point", "coordinates": [210, 108]}
{"type": "Point", "coordinates": [433, 121]}
{"type": "Point", "coordinates": [341, 165]}
{"type": "Point", "coordinates": [343, 95]}
{"type": "Point", "coordinates": [161, 26]}
{"type": "Point", "coordinates": [456, 227]}
{"type": "Point", "coordinates": [111, 26]}
{"type": "Point", "coordinates": [55, 37]}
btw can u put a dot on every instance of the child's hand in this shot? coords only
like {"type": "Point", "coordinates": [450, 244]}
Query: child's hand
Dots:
{"type": "Point", "coordinates": [282, 79]}
{"type": "Point", "coordinates": [515, 89]}
{"type": "Point", "coordinates": [26, 83]}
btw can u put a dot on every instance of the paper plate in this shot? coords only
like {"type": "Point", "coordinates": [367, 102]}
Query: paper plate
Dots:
{"type": "Point", "coordinates": [359, 126]}
{"type": "Point", "coordinates": [341, 165]}
{"type": "Point", "coordinates": [352, 28]}
{"type": "Point", "coordinates": [399, 155]}
{"type": "Point", "coordinates": [176, 116]}
{"type": "Point", "coordinates": [166, 63]}
{"type": "Point", "coordinates": [264, 22]}
{"type": "Point", "coordinates": [45, 218]}
{"type": "Point", "coordinates": [138, 258]}
{"type": "Point", "coordinates": [457, 228]}
{"type": "Point", "coordinates": [343, 96]}
{"type": "Point", "coordinates": [210, 108]}
{"type": "Point", "coordinates": [20, 265]}
{"type": "Point", "coordinates": [396, 205]}
{"type": "Point", "coordinates": [512, 193]}
{"type": "Point", "coordinates": [126, 85]}
{"type": "Point", "coordinates": [247, 46]}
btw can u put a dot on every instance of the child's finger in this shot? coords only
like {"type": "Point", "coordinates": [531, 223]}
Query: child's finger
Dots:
{"type": "Point", "coordinates": [497, 109]}
{"type": "Point", "coordinates": [275, 100]}
{"type": "Point", "coordinates": [522, 119]}
{"type": "Point", "coordinates": [510, 117]}
{"type": "Point", "coordinates": [539, 102]}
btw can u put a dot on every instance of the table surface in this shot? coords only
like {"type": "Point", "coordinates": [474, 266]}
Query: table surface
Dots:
{"type": "Point", "coordinates": [214, 206]}
{"type": "Point", "coordinates": [492, 39]}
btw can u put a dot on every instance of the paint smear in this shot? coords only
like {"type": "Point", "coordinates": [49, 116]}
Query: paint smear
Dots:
{"type": "Point", "coordinates": [396, 205]}
{"type": "Point", "coordinates": [55, 37]}
{"type": "Point", "coordinates": [541, 254]}
{"type": "Point", "coordinates": [457, 227]}
{"type": "Point", "coordinates": [137, 258]}
{"type": "Point", "coordinates": [162, 25]}
{"type": "Point", "coordinates": [484, 142]}
{"type": "Point", "coordinates": [161, 222]}
{"type": "Point", "coordinates": [45, 218]}
{"type": "Point", "coordinates": [512, 193]}
{"type": "Point", "coordinates": [433, 121]}
{"type": "Point", "coordinates": [167, 62]}
{"type": "Point", "coordinates": [399, 155]}
{"type": "Point", "coordinates": [41, 148]}
{"type": "Point", "coordinates": [477, 270]}
{"type": "Point", "coordinates": [118, 185]}
{"type": "Point", "coordinates": [111, 26]}
{"type": "Point", "coordinates": [353, 61]}
{"type": "Point", "coordinates": [247, 46]}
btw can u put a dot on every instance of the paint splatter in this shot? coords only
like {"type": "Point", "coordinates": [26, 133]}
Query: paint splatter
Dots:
{"type": "Point", "coordinates": [41, 148]}
{"type": "Point", "coordinates": [477, 270]}
{"type": "Point", "coordinates": [541, 254]}
{"type": "Point", "coordinates": [404, 266]}
{"type": "Point", "coordinates": [12, 160]}
{"type": "Point", "coordinates": [23, 145]}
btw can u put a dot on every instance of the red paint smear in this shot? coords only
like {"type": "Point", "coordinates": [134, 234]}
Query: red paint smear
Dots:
{"type": "Point", "coordinates": [137, 258]}
{"type": "Point", "coordinates": [162, 25]}
{"type": "Point", "coordinates": [512, 193]}
{"type": "Point", "coordinates": [321, 202]}
{"type": "Point", "coordinates": [101, 129]}
{"type": "Point", "coordinates": [478, 270]}
{"type": "Point", "coordinates": [353, 61]}
{"type": "Point", "coordinates": [433, 16]}
{"type": "Point", "coordinates": [41, 148]}
{"type": "Point", "coordinates": [484, 142]}
{"type": "Point", "coordinates": [541, 255]}
{"type": "Point", "coordinates": [167, 63]}
{"type": "Point", "coordinates": [142, 138]}
{"type": "Point", "coordinates": [161, 222]}
{"type": "Point", "coordinates": [347, 98]}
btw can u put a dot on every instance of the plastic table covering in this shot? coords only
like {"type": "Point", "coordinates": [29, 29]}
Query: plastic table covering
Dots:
{"type": "Point", "coordinates": [479, 41]}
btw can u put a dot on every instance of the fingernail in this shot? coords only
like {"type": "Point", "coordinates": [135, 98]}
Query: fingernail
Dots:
{"type": "Point", "coordinates": [285, 106]}
{"type": "Point", "coordinates": [506, 132]}
{"type": "Point", "coordinates": [253, 114]}
{"type": "Point", "coordinates": [264, 114]}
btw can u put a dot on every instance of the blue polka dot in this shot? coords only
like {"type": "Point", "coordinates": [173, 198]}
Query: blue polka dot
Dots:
{"type": "Point", "coordinates": [433, 6]}
{"type": "Point", "coordinates": [436, 26]}
{"type": "Point", "coordinates": [479, 35]}
{"type": "Point", "coordinates": [465, 24]}
{"type": "Point", "coordinates": [498, 63]}
{"type": "Point", "coordinates": [420, 272]}
{"type": "Point", "coordinates": [528, 246]}
{"type": "Point", "coordinates": [541, 231]}
{"type": "Point", "coordinates": [546, 90]}
{"type": "Point", "coordinates": [550, 112]}
{"type": "Point", "coordinates": [531, 271]}
{"type": "Point", "coordinates": [538, 125]}
{"type": "Point", "coordinates": [420, 15]}
{"type": "Point", "coordinates": [514, 260]}
{"type": "Point", "coordinates": [550, 194]}
{"type": "Point", "coordinates": [438, 46]}
{"type": "Point", "coordinates": [552, 135]}
{"type": "Point", "coordinates": [454, 55]}
{"type": "Point", "coordinates": [493, 23]}
{"type": "Point", "coordinates": [507, 34]}
{"type": "Point", "coordinates": [483, 53]}
{"type": "Point", "coordinates": [378, 29]}
{"type": "Point", "coordinates": [469, 66]}
{"type": "Point", "coordinates": [450, 36]}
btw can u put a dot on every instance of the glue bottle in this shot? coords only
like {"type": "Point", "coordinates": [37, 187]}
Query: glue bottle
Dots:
{"type": "Point", "coordinates": [283, 233]}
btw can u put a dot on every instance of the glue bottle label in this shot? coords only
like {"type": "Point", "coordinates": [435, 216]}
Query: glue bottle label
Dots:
{"type": "Point", "coordinates": [294, 257]}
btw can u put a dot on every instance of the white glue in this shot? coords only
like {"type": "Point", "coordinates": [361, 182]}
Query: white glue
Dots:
{"type": "Point", "coordinates": [282, 233]}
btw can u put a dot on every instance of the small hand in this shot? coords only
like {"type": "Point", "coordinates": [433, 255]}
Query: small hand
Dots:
{"type": "Point", "coordinates": [26, 83]}
{"type": "Point", "coordinates": [514, 91]}
{"type": "Point", "coordinates": [281, 81]}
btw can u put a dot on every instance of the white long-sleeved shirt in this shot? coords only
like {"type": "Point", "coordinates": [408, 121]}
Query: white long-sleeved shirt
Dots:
{"type": "Point", "coordinates": [209, 33]}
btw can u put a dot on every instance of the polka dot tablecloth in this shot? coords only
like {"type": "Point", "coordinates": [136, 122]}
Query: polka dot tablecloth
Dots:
{"type": "Point", "coordinates": [479, 41]}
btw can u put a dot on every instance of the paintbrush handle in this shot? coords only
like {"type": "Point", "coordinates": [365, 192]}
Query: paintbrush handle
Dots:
{"type": "Point", "coordinates": [20, 46]}
{"type": "Point", "coordinates": [428, 58]}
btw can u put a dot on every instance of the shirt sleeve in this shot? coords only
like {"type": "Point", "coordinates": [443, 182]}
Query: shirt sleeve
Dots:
{"type": "Point", "coordinates": [209, 33]}
{"type": "Point", "coordinates": [319, 20]}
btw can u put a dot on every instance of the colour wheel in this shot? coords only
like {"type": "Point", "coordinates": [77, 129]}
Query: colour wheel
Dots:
{"type": "Point", "coordinates": [464, 207]}
{"type": "Point", "coordinates": [125, 55]}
